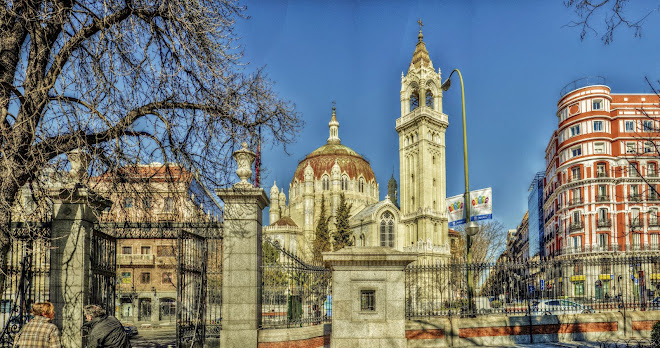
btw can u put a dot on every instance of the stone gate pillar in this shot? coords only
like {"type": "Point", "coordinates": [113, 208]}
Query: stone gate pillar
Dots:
{"type": "Point", "coordinates": [368, 289]}
{"type": "Point", "coordinates": [74, 214]}
{"type": "Point", "coordinates": [241, 257]}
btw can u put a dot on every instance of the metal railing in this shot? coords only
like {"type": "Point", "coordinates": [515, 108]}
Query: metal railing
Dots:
{"type": "Point", "coordinates": [575, 226]}
{"type": "Point", "coordinates": [566, 285]}
{"type": "Point", "coordinates": [294, 293]}
{"type": "Point", "coordinates": [602, 198]}
{"type": "Point", "coordinates": [604, 223]}
{"type": "Point", "coordinates": [583, 82]}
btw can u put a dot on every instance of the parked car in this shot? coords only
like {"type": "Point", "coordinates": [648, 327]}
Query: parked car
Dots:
{"type": "Point", "coordinates": [655, 303]}
{"type": "Point", "coordinates": [558, 307]}
{"type": "Point", "coordinates": [131, 330]}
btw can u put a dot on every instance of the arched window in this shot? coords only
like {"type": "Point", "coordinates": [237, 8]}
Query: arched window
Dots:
{"type": "Point", "coordinates": [387, 230]}
{"type": "Point", "coordinates": [344, 182]}
{"type": "Point", "coordinates": [326, 183]}
{"type": "Point", "coordinates": [414, 100]}
{"type": "Point", "coordinates": [429, 98]}
{"type": "Point", "coordinates": [361, 187]}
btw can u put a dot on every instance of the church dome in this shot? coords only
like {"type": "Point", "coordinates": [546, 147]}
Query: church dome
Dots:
{"type": "Point", "coordinates": [324, 158]}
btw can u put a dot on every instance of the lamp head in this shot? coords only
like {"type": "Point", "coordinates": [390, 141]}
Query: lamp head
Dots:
{"type": "Point", "coordinates": [445, 85]}
{"type": "Point", "coordinates": [472, 228]}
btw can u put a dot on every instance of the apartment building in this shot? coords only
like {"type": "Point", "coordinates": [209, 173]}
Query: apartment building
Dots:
{"type": "Point", "coordinates": [601, 177]}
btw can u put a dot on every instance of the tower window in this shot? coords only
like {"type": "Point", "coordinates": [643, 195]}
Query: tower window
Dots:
{"type": "Point", "coordinates": [326, 183]}
{"type": "Point", "coordinates": [361, 185]}
{"type": "Point", "coordinates": [414, 100]}
{"type": "Point", "coordinates": [429, 99]}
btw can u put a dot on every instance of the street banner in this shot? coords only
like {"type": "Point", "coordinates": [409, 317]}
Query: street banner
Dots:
{"type": "Point", "coordinates": [482, 204]}
{"type": "Point", "coordinates": [481, 207]}
{"type": "Point", "coordinates": [455, 206]}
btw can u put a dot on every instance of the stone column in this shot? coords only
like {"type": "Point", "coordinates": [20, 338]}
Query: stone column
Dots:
{"type": "Point", "coordinates": [241, 257]}
{"type": "Point", "coordinates": [368, 287]}
{"type": "Point", "coordinates": [74, 210]}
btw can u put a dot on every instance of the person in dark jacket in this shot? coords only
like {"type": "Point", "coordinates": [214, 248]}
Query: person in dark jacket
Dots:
{"type": "Point", "coordinates": [103, 330]}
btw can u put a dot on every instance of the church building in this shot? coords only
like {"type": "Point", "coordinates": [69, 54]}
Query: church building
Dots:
{"type": "Point", "coordinates": [419, 223]}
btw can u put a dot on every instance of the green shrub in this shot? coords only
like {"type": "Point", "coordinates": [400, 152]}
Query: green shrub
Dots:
{"type": "Point", "coordinates": [655, 335]}
{"type": "Point", "coordinates": [495, 304]}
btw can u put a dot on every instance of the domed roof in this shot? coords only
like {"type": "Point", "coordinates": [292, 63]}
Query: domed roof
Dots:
{"type": "Point", "coordinates": [322, 159]}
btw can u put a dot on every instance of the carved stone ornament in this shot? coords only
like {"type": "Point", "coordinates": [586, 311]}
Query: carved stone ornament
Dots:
{"type": "Point", "coordinates": [244, 159]}
{"type": "Point", "coordinates": [79, 161]}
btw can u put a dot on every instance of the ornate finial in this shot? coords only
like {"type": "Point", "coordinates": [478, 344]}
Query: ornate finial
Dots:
{"type": "Point", "coordinates": [420, 36]}
{"type": "Point", "coordinates": [244, 159]}
{"type": "Point", "coordinates": [420, 24]}
{"type": "Point", "coordinates": [334, 126]}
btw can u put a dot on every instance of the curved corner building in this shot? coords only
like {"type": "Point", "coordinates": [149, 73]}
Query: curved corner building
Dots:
{"type": "Point", "coordinates": [601, 190]}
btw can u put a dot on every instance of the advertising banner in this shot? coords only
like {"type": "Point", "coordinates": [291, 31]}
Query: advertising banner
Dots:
{"type": "Point", "coordinates": [481, 207]}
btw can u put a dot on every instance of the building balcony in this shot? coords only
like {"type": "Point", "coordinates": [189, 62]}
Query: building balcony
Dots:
{"type": "Point", "coordinates": [653, 197]}
{"type": "Point", "coordinates": [575, 178]}
{"type": "Point", "coordinates": [654, 222]}
{"type": "Point", "coordinates": [604, 223]}
{"type": "Point", "coordinates": [576, 201]}
{"type": "Point", "coordinates": [635, 197]}
{"type": "Point", "coordinates": [602, 198]}
{"type": "Point", "coordinates": [576, 226]}
{"type": "Point", "coordinates": [636, 223]}
{"type": "Point", "coordinates": [136, 259]}
{"type": "Point", "coordinates": [601, 175]}
{"type": "Point", "coordinates": [652, 175]}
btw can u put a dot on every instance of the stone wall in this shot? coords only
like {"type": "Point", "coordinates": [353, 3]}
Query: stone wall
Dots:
{"type": "Point", "coordinates": [303, 337]}
{"type": "Point", "coordinates": [503, 331]}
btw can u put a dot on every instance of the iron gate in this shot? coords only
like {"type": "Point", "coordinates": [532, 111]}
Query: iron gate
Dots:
{"type": "Point", "coordinates": [191, 289]}
{"type": "Point", "coordinates": [27, 279]}
{"type": "Point", "coordinates": [104, 268]}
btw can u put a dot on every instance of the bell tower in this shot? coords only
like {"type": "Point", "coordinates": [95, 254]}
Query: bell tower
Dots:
{"type": "Point", "coordinates": [421, 130]}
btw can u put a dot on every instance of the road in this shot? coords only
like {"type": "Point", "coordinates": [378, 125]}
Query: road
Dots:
{"type": "Point", "coordinates": [154, 338]}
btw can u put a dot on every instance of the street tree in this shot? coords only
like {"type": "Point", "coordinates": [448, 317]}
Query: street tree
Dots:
{"type": "Point", "coordinates": [605, 17]}
{"type": "Point", "coordinates": [127, 82]}
{"type": "Point", "coordinates": [322, 234]}
{"type": "Point", "coordinates": [342, 237]}
{"type": "Point", "coordinates": [487, 244]}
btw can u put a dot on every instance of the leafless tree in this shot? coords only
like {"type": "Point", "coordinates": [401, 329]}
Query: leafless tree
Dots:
{"type": "Point", "coordinates": [613, 15]}
{"type": "Point", "coordinates": [487, 244]}
{"type": "Point", "coordinates": [127, 81]}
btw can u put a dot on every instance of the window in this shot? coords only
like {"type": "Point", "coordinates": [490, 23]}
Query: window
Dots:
{"type": "Point", "coordinates": [145, 250]}
{"type": "Point", "coordinates": [125, 277]}
{"type": "Point", "coordinates": [126, 250]}
{"type": "Point", "coordinates": [145, 278]}
{"type": "Point", "coordinates": [368, 300]}
{"type": "Point", "coordinates": [414, 100]}
{"type": "Point", "coordinates": [597, 104]}
{"type": "Point", "coordinates": [599, 147]}
{"type": "Point", "coordinates": [577, 217]}
{"type": "Point", "coordinates": [128, 202]}
{"type": "Point", "coordinates": [577, 242]}
{"type": "Point", "coordinates": [168, 204]}
{"type": "Point", "coordinates": [429, 98]}
{"type": "Point", "coordinates": [634, 217]}
{"type": "Point", "coordinates": [575, 130]}
{"type": "Point", "coordinates": [146, 203]}
{"type": "Point", "coordinates": [576, 151]}
{"type": "Point", "coordinates": [648, 147]}
{"type": "Point", "coordinates": [165, 250]}
{"type": "Point", "coordinates": [387, 230]}
{"type": "Point", "coordinates": [636, 240]}
{"type": "Point", "coordinates": [326, 182]}
{"type": "Point", "coordinates": [630, 126]}
{"type": "Point", "coordinates": [577, 196]}
{"type": "Point", "coordinates": [575, 173]}
{"type": "Point", "coordinates": [166, 278]}
{"type": "Point", "coordinates": [630, 147]}
{"type": "Point", "coordinates": [602, 240]}
{"type": "Point", "coordinates": [634, 192]}
{"type": "Point", "coordinates": [344, 182]}
{"type": "Point", "coordinates": [647, 126]}
{"type": "Point", "coordinates": [579, 288]}
{"type": "Point", "coordinates": [651, 169]}
{"type": "Point", "coordinates": [633, 170]}
{"type": "Point", "coordinates": [361, 185]}
{"type": "Point", "coordinates": [653, 216]}
{"type": "Point", "coordinates": [654, 240]}
{"type": "Point", "coordinates": [600, 170]}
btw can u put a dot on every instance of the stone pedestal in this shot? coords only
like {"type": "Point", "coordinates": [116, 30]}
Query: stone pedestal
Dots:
{"type": "Point", "coordinates": [368, 288]}
{"type": "Point", "coordinates": [241, 262]}
{"type": "Point", "coordinates": [70, 263]}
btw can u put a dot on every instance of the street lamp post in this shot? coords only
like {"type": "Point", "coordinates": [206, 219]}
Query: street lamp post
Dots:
{"type": "Point", "coordinates": [471, 228]}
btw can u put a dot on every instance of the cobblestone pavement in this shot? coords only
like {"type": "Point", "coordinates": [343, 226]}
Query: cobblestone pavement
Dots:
{"type": "Point", "coordinates": [154, 338]}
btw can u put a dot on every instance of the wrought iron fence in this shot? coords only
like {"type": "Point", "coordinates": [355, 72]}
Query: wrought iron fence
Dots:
{"type": "Point", "coordinates": [27, 279]}
{"type": "Point", "coordinates": [595, 283]}
{"type": "Point", "coordinates": [294, 293]}
{"type": "Point", "coordinates": [104, 267]}
{"type": "Point", "coordinates": [214, 287]}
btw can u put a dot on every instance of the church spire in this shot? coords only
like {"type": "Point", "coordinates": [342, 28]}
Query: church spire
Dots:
{"type": "Point", "coordinates": [421, 55]}
{"type": "Point", "coordinates": [334, 127]}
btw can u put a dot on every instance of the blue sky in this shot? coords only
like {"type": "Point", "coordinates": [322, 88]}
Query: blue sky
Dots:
{"type": "Point", "coordinates": [515, 57]}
